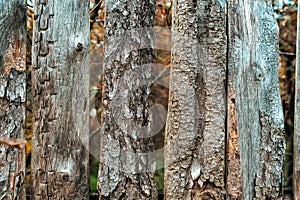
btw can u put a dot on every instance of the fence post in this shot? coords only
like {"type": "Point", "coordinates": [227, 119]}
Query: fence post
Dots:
{"type": "Point", "coordinates": [296, 167]}
{"type": "Point", "coordinates": [127, 162]}
{"type": "Point", "coordinates": [12, 96]}
{"type": "Point", "coordinates": [60, 80]}
{"type": "Point", "coordinates": [256, 144]}
{"type": "Point", "coordinates": [195, 130]}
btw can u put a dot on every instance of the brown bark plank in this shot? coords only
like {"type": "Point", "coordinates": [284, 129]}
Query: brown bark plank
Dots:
{"type": "Point", "coordinates": [60, 80]}
{"type": "Point", "coordinates": [12, 96]}
{"type": "Point", "coordinates": [127, 161]}
{"type": "Point", "coordinates": [195, 132]}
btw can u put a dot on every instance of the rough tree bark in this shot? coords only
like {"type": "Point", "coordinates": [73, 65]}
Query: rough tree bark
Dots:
{"type": "Point", "coordinates": [195, 133]}
{"type": "Point", "coordinates": [60, 82]}
{"type": "Point", "coordinates": [127, 163]}
{"type": "Point", "coordinates": [296, 167]}
{"type": "Point", "coordinates": [256, 143]}
{"type": "Point", "coordinates": [12, 96]}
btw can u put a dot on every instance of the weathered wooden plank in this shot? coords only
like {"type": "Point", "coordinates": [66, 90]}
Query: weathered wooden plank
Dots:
{"type": "Point", "coordinates": [60, 80]}
{"type": "Point", "coordinates": [127, 161]}
{"type": "Point", "coordinates": [296, 167]}
{"type": "Point", "coordinates": [12, 96]}
{"type": "Point", "coordinates": [195, 132]}
{"type": "Point", "coordinates": [255, 113]}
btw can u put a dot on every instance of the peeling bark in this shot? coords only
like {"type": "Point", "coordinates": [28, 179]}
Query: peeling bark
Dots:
{"type": "Point", "coordinates": [12, 96]}
{"type": "Point", "coordinates": [195, 132]}
{"type": "Point", "coordinates": [127, 161]}
{"type": "Point", "coordinates": [254, 92]}
{"type": "Point", "coordinates": [296, 167]}
{"type": "Point", "coordinates": [60, 80]}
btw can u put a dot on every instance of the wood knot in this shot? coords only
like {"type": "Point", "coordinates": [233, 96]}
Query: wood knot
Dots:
{"type": "Point", "coordinates": [258, 71]}
{"type": "Point", "coordinates": [206, 196]}
{"type": "Point", "coordinates": [79, 47]}
{"type": "Point", "coordinates": [65, 177]}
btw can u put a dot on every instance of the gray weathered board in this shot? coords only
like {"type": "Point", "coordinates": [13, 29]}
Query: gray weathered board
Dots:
{"type": "Point", "coordinates": [60, 78]}
{"type": "Point", "coordinates": [255, 114]}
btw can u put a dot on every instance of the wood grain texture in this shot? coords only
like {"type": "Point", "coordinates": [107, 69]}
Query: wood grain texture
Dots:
{"type": "Point", "coordinates": [257, 116]}
{"type": "Point", "coordinates": [12, 96]}
{"type": "Point", "coordinates": [195, 132]}
{"type": "Point", "coordinates": [60, 80]}
{"type": "Point", "coordinates": [127, 161]}
{"type": "Point", "coordinates": [296, 167]}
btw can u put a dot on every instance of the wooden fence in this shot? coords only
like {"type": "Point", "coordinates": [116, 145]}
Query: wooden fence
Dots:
{"type": "Point", "coordinates": [224, 132]}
